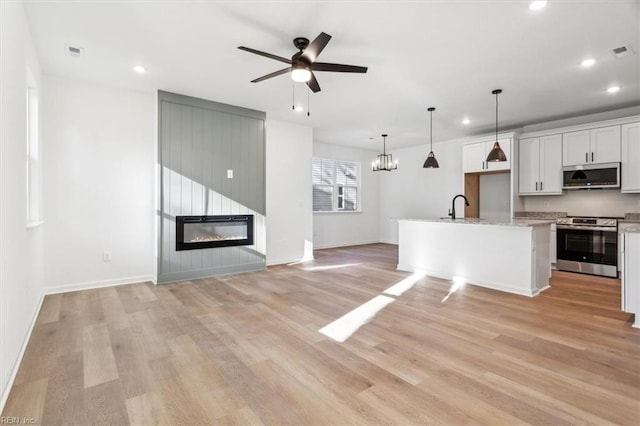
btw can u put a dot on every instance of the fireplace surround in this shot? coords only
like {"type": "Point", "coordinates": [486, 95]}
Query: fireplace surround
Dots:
{"type": "Point", "coordinates": [200, 232]}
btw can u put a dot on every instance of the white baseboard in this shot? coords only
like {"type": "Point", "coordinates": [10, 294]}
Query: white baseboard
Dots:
{"type": "Point", "coordinates": [344, 244]}
{"type": "Point", "coordinates": [99, 284]}
{"type": "Point", "coordinates": [16, 367]}
{"type": "Point", "coordinates": [288, 261]}
{"type": "Point", "coordinates": [395, 243]}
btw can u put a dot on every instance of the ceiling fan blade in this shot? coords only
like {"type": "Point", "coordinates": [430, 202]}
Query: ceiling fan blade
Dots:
{"type": "Point", "coordinates": [265, 54]}
{"type": "Point", "coordinates": [313, 84]}
{"type": "Point", "coordinates": [317, 45]}
{"type": "Point", "coordinates": [273, 74]}
{"type": "Point", "coordinates": [323, 66]}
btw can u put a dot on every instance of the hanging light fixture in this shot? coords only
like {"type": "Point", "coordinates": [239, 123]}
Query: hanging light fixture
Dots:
{"type": "Point", "coordinates": [496, 153]}
{"type": "Point", "coordinates": [384, 161]}
{"type": "Point", "coordinates": [431, 162]}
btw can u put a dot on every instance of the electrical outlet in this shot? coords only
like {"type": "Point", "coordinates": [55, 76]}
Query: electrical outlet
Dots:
{"type": "Point", "coordinates": [229, 174]}
{"type": "Point", "coordinates": [546, 204]}
{"type": "Point", "coordinates": [106, 256]}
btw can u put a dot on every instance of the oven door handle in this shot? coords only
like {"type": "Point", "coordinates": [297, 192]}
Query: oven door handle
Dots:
{"type": "Point", "coordinates": [587, 228]}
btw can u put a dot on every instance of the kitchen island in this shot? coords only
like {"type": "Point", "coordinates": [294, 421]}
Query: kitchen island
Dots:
{"type": "Point", "coordinates": [510, 255]}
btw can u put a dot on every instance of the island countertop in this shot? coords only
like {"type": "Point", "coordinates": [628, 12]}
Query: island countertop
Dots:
{"type": "Point", "coordinates": [477, 221]}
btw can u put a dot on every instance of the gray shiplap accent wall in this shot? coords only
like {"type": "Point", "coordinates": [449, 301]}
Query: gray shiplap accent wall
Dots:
{"type": "Point", "coordinates": [199, 141]}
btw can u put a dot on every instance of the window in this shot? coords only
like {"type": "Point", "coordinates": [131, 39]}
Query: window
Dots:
{"type": "Point", "coordinates": [34, 165]}
{"type": "Point", "coordinates": [335, 185]}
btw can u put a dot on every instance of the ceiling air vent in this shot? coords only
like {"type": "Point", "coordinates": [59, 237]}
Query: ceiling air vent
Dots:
{"type": "Point", "coordinates": [622, 51]}
{"type": "Point", "coordinates": [74, 51]}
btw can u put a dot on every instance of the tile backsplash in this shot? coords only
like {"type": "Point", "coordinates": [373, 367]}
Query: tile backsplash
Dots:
{"type": "Point", "coordinates": [595, 202]}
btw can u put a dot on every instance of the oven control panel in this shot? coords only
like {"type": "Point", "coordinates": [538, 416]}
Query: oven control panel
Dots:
{"type": "Point", "coordinates": [587, 221]}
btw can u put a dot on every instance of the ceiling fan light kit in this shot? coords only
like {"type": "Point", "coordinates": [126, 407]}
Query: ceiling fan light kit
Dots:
{"type": "Point", "coordinates": [303, 63]}
{"type": "Point", "coordinates": [301, 75]}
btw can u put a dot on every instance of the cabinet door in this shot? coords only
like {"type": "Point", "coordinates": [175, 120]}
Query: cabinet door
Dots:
{"type": "Point", "coordinates": [576, 148]}
{"type": "Point", "coordinates": [605, 145]}
{"type": "Point", "coordinates": [474, 157]}
{"type": "Point", "coordinates": [630, 168]}
{"type": "Point", "coordinates": [551, 164]}
{"type": "Point", "coordinates": [529, 166]}
{"type": "Point", "coordinates": [505, 144]}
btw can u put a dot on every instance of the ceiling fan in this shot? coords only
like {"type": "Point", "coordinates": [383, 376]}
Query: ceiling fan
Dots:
{"type": "Point", "coordinates": [303, 63]}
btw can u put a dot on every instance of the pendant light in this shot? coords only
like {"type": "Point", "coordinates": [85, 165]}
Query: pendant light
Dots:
{"type": "Point", "coordinates": [496, 153]}
{"type": "Point", "coordinates": [431, 162]}
{"type": "Point", "coordinates": [384, 161]}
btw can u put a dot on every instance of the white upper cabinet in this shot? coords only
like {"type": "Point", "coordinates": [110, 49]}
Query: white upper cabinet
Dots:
{"type": "Point", "coordinates": [474, 156]}
{"type": "Point", "coordinates": [630, 167]}
{"type": "Point", "coordinates": [540, 165]}
{"type": "Point", "coordinates": [601, 145]}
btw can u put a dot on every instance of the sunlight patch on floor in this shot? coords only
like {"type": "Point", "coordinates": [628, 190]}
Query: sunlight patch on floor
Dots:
{"type": "Point", "coordinates": [342, 328]}
{"type": "Point", "coordinates": [401, 286]}
{"type": "Point", "coordinates": [328, 267]}
{"type": "Point", "coordinates": [457, 283]}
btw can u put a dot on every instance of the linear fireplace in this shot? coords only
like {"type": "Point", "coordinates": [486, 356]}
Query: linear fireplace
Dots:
{"type": "Point", "coordinates": [198, 232]}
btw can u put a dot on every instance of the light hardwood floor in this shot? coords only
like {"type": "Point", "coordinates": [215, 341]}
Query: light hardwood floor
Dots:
{"type": "Point", "coordinates": [245, 349]}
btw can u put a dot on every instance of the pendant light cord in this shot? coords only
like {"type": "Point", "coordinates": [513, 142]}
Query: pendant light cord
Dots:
{"type": "Point", "coordinates": [293, 95]}
{"type": "Point", "coordinates": [308, 103]}
{"type": "Point", "coordinates": [497, 93]}
{"type": "Point", "coordinates": [431, 131]}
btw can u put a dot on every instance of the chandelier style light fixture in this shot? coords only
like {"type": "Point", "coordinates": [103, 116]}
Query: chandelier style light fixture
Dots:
{"type": "Point", "coordinates": [384, 161]}
{"type": "Point", "coordinates": [496, 153]}
{"type": "Point", "coordinates": [431, 162]}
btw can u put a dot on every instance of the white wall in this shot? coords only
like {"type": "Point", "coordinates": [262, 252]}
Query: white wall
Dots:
{"type": "Point", "coordinates": [414, 192]}
{"type": "Point", "coordinates": [99, 179]}
{"type": "Point", "coordinates": [495, 195]}
{"type": "Point", "coordinates": [350, 228]}
{"type": "Point", "coordinates": [595, 202]}
{"type": "Point", "coordinates": [289, 215]}
{"type": "Point", "coordinates": [20, 249]}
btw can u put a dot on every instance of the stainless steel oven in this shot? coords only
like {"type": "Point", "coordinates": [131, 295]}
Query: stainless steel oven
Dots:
{"type": "Point", "coordinates": [588, 245]}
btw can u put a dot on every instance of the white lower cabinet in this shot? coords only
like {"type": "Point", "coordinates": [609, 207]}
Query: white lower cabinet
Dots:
{"type": "Point", "coordinates": [631, 276]}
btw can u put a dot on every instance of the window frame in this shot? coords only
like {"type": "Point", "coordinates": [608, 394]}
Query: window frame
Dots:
{"type": "Point", "coordinates": [336, 188]}
{"type": "Point", "coordinates": [33, 155]}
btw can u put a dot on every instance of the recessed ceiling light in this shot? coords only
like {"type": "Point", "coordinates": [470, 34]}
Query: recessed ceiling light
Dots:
{"type": "Point", "coordinates": [466, 121]}
{"type": "Point", "coordinates": [537, 5]}
{"type": "Point", "coordinates": [589, 62]}
{"type": "Point", "coordinates": [613, 89]}
{"type": "Point", "coordinates": [139, 69]}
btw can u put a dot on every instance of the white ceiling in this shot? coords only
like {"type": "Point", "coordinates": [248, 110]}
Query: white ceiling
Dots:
{"type": "Point", "coordinates": [447, 54]}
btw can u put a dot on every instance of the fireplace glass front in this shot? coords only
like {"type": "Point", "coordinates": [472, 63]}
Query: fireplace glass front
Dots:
{"type": "Point", "coordinates": [198, 232]}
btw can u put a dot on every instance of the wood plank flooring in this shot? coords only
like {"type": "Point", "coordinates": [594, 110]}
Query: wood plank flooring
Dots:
{"type": "Point", "coordinates": [246, 349]}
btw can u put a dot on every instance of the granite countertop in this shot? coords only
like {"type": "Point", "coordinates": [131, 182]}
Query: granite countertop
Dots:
{"type": "Point", "coordinates": [476, 221]}
{"type": "Point", "coordinates": [539, 215]}
{"type": "Point", "coordinates": [630, 218]}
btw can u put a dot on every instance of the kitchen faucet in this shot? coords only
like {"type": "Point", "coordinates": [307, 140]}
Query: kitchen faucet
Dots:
{"type": "Point", "coordinates": [452, 212]}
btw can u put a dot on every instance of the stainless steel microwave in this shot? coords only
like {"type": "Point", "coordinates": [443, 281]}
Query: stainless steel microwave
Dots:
{"type": "Point", "coordinates": [589, 176]}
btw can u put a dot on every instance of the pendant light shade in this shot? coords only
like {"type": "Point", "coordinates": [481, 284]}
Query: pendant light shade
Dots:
{"type": "Point", "coordinates": [496, 153]}
{"type": "Point", "coordinates": [384, 161]}
{"type": "Point", "coordinates": [431, 162]}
